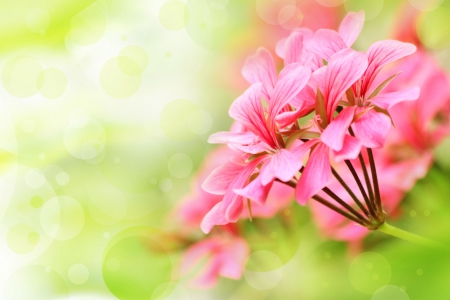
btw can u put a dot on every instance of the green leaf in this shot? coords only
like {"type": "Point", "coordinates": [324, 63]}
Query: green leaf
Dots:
{"type": "Point", "coordinates": [382, 85]}
{"type": "Point", "coordinates": [350, 96]}
{"type": "Point", "coordinates": [321, 109]}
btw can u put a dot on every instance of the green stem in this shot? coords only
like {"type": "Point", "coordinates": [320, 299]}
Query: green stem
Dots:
{"type": "Point", "coordinates": [408, 236]}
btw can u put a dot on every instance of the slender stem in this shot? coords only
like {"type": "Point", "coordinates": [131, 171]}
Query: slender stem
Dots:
{"type": "Point", "coordinates": [408, 236]}
{"type": "Point", "coordinates": [249, 205]}
{"type": "Point", "coordinates": [343, 203]}
{"type": "Point", "coordinates": [375, 181]}
{"type": "Point", "coordinates": [337, 209]}
{"type": "Point", "coordinates": [339, 200]}
{"type": "Point", "coordinates": [359, 183]}
{"type": "Point", "coordinates": [366, 176]}
{"type": "Point", "coordinates": [350, 192]}
{"type": "Point", "coordinates": [293, 184]}
{"type": "Point", "coordinates": [367, 179]}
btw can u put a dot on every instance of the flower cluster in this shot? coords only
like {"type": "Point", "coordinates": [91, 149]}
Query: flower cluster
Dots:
{"type": "Point", "coordinates": [332, 85]}
{"type": "Point", "coordinates": [347, 129]}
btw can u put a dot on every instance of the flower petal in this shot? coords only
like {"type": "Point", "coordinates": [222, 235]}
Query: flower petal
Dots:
{"type": "Point", "coordinates": [255, 191]}
{"type": "Point", "coordinates": [214, 217]}
{"type": "Point", "coordinates": [333, 136]}
{"type": "Point", "coordinates": [343, 70]}
{"type": "Point", "coordinates": [232, 202]}
{"type": "Point", "coordinates": [387, 100]}
{"type": "Point", "coordinates": [293, 48]}
{"type": "Point", "coordinates": [316, 175]}
{"type": "Point", "coordinates": [283, 165]}
{"type": "Point", "coordinates": [382, 53]}
{"type": "Point", "coordinates": [247, 110]}
{"type": "Point", "coordinates": [325, 43]}
{"type": "Point", "coordinates": [291, 81]}
{"type": "Point", "coordinates": [260, 67]}
{"type": "Point", "coordinates": [350, 150]}
{"type": "Point", "coordinates": [371, 129]}
{"type": "Point", "coordinates": [233, 259]}
{"type": "Point", "coordinates": [225, 137]}
{"type": "Point", "coordinates": [220, 179]}
{"type": "Point", "coordinates": [351, 26]}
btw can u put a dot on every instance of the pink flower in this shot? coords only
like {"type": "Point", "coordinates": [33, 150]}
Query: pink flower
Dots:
{"type": "Point", "coordinates": [193, 208]}
{"type": "Point", "coordinates": [365, 104]}
{"type": "Point", "coordinates": [414, 120]}
{"type": "Point", "coordinates": [218, 256]}
{"type": "Point", "coordinates": [272, 161]}
{"type": "Point", "coordinates": [343, 70]}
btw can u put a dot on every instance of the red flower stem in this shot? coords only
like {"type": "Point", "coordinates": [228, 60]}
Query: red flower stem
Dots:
{"type": "Point", "coordinates": [350, 192]}
{"type": "Point", "coordinates": [375, 182]}
{"type": "Point", "coordinates": [337, 209]}
{"type": "Point", "coordinates": [361, 188]}
{"type": "Point", "coordinates": [331, 206]}
{"type": "Point", "coordinates": [367, 180]}
{"type": "Point", "coordinates": [340, 201]}
{"type": "Point", "coordinates": [343, 203]}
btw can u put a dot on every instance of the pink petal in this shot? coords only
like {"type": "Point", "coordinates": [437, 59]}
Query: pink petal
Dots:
{"type": "Point", "coordinates": [287, 118]}
{"type": "Point", "coordinates": [291, 81]}
{"type": "Point", "coordinates": [382, 53]}
{"type": "Point", "coordinates": [351, 26]}
{"type": "Point", "coordinates": [343, 70]}
{"type": "Point", "coordinates": [197, 252]}
{"type": "Point", "coordinates": [300, 151]}
{"type": "Point", "coordinates": [371, 129]}
{"type": "Point", "coordinates": [283, 165]}
{"type": "Point", "coordinates": [220, 179]}
{"type": "Point", "coordinates": [247, 109]}
{"type": "Point", "coordinates": [208, 276]}
{"type": "Point", "coordinates": [316, 175]}
{"type": "Point", "coordinates": [225, 137]}
{"type": "Point", "coordinates": [234, 210]}
{"type": "Point", "coordinates": [232, 202]}
{"type": "Point", "coordinates": [233, 258]}
{"type": "Point", "coordinates": [307, 97]}
{"type": "Point", "coordinates": [333, 136]}
{"type": "Point", "coordinates": [260, 67]}
{"type": "Point", "coordinates": [387, 100]}
{"type": "Point", "coordinates": [325, 43]}
{"type": "Point", "coordinates": [293, 49]}
{"type": "Point", "coordinates": [255, 191]}
{"type": "Point", "coordinates": [350, 150]}
{"type": "Point", "coordinates": [214, 217]}
{"type": "Point", "coordinates": [318, 80]}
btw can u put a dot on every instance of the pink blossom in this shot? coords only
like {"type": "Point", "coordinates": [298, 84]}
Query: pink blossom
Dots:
{"type": "Point", "coordinates": [217, 256]}
{"type": "Point", "coordinates": [193, 208]}
{"type": "Point", "coordinates": [273, 161]}
{"type": "Point", "coordinates": [371, 119]}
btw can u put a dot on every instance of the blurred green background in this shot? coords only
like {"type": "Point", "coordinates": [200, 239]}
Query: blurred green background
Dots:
{"type": "Point", "coordinates": [105, 110]}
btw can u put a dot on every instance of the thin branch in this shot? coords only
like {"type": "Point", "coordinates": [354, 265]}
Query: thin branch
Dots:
{"type": "Point", "coordinates": [343, 203]}
{"type": "Point", "coordinates": [375, 181]}
{"type": "Point", "coordinates": [363, 191]}
{"type": "Point", "coordinates": [350, 192]}
{"type": "Point", "coordinates": [337, 209]}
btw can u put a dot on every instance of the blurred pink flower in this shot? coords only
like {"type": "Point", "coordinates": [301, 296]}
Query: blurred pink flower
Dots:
{"type": "Point", "coordinates": [217, 256]}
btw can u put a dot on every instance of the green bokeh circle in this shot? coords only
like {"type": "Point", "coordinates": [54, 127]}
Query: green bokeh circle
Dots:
{"type": "Point", "coordinates": [137, 261]}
